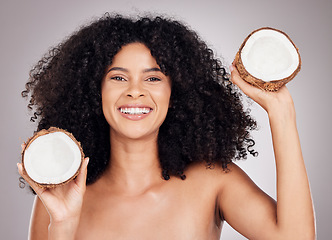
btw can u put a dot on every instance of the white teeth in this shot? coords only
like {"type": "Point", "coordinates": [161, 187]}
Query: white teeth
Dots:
{"type": "Point", "coordinates": [135, 110]}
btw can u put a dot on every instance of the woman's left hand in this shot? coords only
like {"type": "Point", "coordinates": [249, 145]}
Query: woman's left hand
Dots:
{"type": "Point", "coordinates": [271, 101]}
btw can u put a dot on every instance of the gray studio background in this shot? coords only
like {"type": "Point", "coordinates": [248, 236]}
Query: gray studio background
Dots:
{"type": "Point", "coordinates": [29, 28]}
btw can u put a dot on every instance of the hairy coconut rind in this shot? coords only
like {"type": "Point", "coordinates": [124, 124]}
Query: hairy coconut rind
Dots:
{"type": "Point", "coordinates": [42, 133]}
{"type": "Point", "coordinates": [271, 85]}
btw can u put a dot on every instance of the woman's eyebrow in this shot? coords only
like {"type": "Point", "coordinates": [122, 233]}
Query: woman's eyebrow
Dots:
{"type": "Point", "coordinates": [152, 70]}
{"type": "Point", "coordinates": [126, 70]}
{"type": "Point", "coordinates": [118, 69]}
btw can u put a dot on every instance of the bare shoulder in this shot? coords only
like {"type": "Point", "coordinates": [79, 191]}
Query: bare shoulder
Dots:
{"type": "Point", "coordinates": [239, 201]}
{"type": "Point", "coordinates": [237, 180]}
{"type": "Point", "coordinates": [231, 186]}
{"type": "Point", "coordinates": [233, 180]}
{"type": "Point", "coordinates": [216, 173]}
{"type": "Point", "coordinates": [211, 177]}
{"type": "Point", "coordinates": [39, 221]}
{"type": "Point", "coordinates": [203, 170]}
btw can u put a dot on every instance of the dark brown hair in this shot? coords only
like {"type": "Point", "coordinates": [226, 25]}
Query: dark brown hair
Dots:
{"type": "Point", "coordinates": [206, 121]}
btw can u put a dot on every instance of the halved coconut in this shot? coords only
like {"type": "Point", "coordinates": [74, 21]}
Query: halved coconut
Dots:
{"type": "Point", "coordinates": [52, 157]}
{"type": "Point", "coordinates": [268, 59]}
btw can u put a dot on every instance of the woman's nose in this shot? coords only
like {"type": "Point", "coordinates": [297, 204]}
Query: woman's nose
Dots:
{"type": "Point", "coordinates": [135, 90]}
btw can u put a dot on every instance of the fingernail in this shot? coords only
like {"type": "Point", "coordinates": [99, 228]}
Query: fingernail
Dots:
{"type": "Point", "coordinates": [231, 68]}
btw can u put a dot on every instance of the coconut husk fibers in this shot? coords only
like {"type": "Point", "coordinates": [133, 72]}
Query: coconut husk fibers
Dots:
{"type": "Point", "coordinates": [271, 85]}
{"type": "Point", "coordinates": [42, 133]}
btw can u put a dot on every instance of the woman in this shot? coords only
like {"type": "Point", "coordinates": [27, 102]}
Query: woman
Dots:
{"type": "Point", "coordinates": [161, 123]}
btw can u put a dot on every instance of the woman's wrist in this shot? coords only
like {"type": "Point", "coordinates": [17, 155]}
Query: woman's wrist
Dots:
{"type": "Point", "coordinates": [64, 230]}
{"type": "Point", "coordinates": [282, 112]}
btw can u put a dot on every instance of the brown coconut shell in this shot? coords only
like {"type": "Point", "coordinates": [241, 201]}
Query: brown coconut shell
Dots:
{"type": "Point", "coordinates": [273, 85]}
{"type": "Point", "coordinates": [42, 133]}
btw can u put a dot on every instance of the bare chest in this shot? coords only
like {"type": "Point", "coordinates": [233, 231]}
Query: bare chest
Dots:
{"type": "Point", "coordinates": [153, 215]}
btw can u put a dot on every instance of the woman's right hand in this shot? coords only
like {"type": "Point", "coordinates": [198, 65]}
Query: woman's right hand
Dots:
{"type": "Point", "coordinates": [63, 203]}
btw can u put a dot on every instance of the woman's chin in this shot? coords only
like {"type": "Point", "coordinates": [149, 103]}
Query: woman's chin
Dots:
{"type": "Point", "coordinates": [135, 134]}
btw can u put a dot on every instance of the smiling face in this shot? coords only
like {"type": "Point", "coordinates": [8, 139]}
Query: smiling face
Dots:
{"type": "Point", "coordinates": [135, 93]}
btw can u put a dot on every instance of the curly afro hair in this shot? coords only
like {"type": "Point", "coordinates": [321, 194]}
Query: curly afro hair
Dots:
{"type": "Point", "coordinates": [206, 120]}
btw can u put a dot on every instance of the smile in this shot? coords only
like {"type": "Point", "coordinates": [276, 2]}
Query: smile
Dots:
{"type": "Point", "coordinates": [135, 111]}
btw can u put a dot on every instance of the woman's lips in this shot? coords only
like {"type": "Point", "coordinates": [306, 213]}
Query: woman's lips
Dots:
{"type": "Point", "coordinates": [134, 112]}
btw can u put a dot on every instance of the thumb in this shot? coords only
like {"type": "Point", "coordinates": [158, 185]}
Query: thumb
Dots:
{"type": "Point", "coordinates": [81, 177]}
{"type": "Point", "coordinates": [248, 89]}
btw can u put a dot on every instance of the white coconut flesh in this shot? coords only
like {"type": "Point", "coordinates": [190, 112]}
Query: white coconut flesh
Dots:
{"type": "Point", "coordinates": [53, 158]}
{"type": "Point", "coordinates": [269, 55]}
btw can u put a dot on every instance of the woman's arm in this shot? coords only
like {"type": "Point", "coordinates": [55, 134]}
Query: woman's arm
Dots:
{"type": "Point", "coordinates": [39, 222]}
{"type": "Point", "coordinates": [257, 216]}
{"type": "Point", "coordinates": [56, 211]}
{"type": "Point", "coordinates": [41, 227]}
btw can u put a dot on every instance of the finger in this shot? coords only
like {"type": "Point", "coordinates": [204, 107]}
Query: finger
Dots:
{"type": "Point", "coordinates": [23, 145]}
{"type": "Point", "coordinates": [39, 191]}
{"type": "Point", "coordinates": [247, 88]}
{"type": "Point", "coordinates": [81, 177]}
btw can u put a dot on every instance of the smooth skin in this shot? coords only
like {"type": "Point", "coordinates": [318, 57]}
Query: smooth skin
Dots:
{"type": "Point", "coordinates": [132, 201]}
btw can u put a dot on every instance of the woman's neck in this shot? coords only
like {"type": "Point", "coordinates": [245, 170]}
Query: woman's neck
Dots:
{"type": "Point", "coordinates": [134, 164]}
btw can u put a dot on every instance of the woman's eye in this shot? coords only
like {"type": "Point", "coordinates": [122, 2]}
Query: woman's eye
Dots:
{"type": "Point", "coordinates": [153, 79]}
{"type": "Point", "coordinates": [118, 78]}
